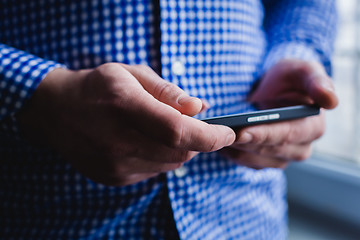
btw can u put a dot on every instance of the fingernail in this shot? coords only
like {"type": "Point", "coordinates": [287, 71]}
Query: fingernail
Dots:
{"type": "Point", "coordinates": [229, 139]}
{"type": "Point", "coordinates": [182, 100]}
{"type": "Point", "coordinates": [245, 137]}
{"type": "Point", "coordinates": [205, 105]}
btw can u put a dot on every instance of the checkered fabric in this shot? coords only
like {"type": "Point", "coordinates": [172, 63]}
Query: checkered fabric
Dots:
{"type": "Point", "coordinates": [213, 49]}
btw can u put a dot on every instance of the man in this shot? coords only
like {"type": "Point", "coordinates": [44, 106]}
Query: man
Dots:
{"type": "Point", "coordinates": [107, 149]}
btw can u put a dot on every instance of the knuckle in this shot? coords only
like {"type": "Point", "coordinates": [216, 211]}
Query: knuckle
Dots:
{"type": "Point", "coordinates": [175, 138]}
{"type": "Point", "coordinates": [293, 133]}
{"type": "Point", "coordinates": [303, 68]}
{"type": "Point", "coordinates": [179, 157]}
{"type": "Point", "coordinates": [213, 145]}
{"type": "Point", "coordinates": [265, 151]}
{"type": "Point", "coordinates": [145, 68]}
{"type": "Point", "coordinates": [165, 89]}
{"type": "Point", "coordinates": [112, 151]}
{"type": "Point", "coordinates": [291, 136]}
{"type": "Point", "coordinates": [140, 70]}
{"type": "Point", "coordinates": [171, 167]}
{"type": "Point", "coordinates": [259, 138]}
{"type": "Point", "coordinates": [107, 67]}
{"type": "Point", "coordinates": [175, 133]}
{"type": "Point", "coordinates": [283, 164]}
{"type": "Point", "coordinates": [106, 75]}
{"type": "Point", "coordinates": [303, 155]}
{"type": "Point", "coordinates": [319, 131]}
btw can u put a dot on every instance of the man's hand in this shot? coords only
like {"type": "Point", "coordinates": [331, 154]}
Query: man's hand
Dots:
{"type": "Point", "coordinates": [276, 144]}
{"type": "Point", "coordinates": [119, 124]}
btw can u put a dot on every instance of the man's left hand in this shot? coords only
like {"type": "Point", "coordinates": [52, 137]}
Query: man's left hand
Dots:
{"type": "Point", "coordinates": [275, 145]}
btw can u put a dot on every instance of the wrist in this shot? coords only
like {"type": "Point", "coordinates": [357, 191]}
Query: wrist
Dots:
{"type": "Point", "coordinates": [40, 114]}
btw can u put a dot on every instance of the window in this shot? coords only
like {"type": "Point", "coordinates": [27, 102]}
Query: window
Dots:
{"type": "Point", "coordinates": [342, 137]}
{"type": "Point", "coordinates": [329, 182]}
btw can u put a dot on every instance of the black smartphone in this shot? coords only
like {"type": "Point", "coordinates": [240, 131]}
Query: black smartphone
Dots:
{"type": "Point", "coordinates": [264, 116]}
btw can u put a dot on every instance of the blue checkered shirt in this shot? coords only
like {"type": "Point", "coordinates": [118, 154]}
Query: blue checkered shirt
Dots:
{"type": "Point", "coordinates": [213, 49]}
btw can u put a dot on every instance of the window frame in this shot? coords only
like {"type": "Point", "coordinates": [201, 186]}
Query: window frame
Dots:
{"type": "Point", "coordinates": [327, 185]}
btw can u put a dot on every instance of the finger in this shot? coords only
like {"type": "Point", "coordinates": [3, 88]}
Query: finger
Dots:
{"type": "Point", "coordinates": [164, 91]}
{"type": "Point", "coordinates": [318, 85]}
{"type": "Point", "coordinates": [126, 142]}
{"type": "Point", "coordinates": [297, 152]}
{"type": "Point", "coordinates": [295, 131]}
{"type": "Point", "coordinates": [200, 136]}
{"type": "Point", "coordinates": [162, 122]}
{"type": "Point", "coordinates": [205, 105]}
{"type": "Point", "coordinates": [253, 160]}
{"type": "Point", "coordinates": [159, 121]}
{"type": "Point", "coordinates": [149, 161]}
{"type": "Point", "coordinates": [136, 146]}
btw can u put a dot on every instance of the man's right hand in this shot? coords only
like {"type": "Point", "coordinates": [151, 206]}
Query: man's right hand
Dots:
{"type": "Point", "coordinates": [119, 124]}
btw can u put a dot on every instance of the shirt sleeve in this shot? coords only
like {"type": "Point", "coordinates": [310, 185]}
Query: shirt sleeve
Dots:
{"type": "Point", "coordinates": [302, 29]}
{"type": "Point", "coordinates": [20, 74]}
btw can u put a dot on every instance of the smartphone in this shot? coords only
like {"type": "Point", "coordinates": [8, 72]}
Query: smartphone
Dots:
{"type": "Point", "coordinates": [264, 116]}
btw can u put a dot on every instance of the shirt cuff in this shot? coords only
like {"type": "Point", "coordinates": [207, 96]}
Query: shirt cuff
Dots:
{"type": "Point", "coordinates": [293, 50]}
{"type": "Point", "coordinates": [20, 75]}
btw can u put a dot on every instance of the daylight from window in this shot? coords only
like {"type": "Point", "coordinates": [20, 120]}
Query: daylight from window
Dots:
{"type": "Point", "coordinates": [342, 138]}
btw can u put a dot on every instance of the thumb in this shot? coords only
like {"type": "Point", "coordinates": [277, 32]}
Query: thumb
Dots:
{"type": "Point", "coordinates": [320, 87]}
{"type": "Point", "coordinates": [164, 91]}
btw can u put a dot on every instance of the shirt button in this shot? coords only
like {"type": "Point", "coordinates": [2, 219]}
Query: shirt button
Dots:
{"type": "Point", "coordinates": [178, 68]}
{"type": "Point", "coordinates": [181, 171]}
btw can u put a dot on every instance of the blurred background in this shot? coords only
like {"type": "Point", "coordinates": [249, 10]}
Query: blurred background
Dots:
{"type": "Point", "coordinates": [324, 192]}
